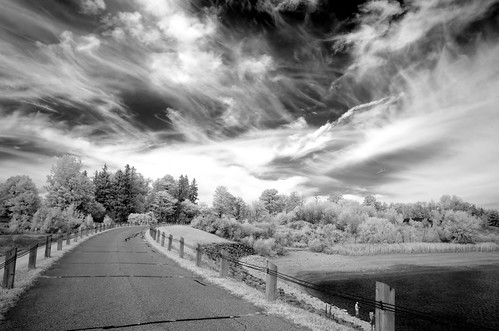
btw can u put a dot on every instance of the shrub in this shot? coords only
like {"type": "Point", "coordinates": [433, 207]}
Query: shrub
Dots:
{"type": "Point", "coordinates": [377, 230]}
{"type": "Point", "coordinates": [317, 245]}
{"type": "Point", "coordinates": [267, 247]}
{"type": "Point", "coordinates": [459, 227]}
{"type": "Point", "coordinates": [147, 218]}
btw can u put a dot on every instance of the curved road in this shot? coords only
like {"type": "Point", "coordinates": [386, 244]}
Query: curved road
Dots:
{"type": "Point", "coordinates": [115, 280]}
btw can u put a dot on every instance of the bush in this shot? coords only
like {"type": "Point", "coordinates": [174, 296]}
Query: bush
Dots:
{"type": "Point", "coordinates": [377, 230]}
{"type": "Point", "coordinates": [317, 245]}
{"type": "Point", "coordinates": [137, 219]}
{"type": "Point", "coordinates": [459, 227]}
{"type": "Point", "coordinates": [267, 247]}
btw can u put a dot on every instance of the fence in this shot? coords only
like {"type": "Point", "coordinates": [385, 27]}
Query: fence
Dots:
{"type": "Point", "coordinates": [383, 305]}
{"type": "Point", "coordinates": [11, 256]}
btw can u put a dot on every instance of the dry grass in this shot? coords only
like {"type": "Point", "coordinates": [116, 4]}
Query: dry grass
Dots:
{"type": "Point", "coordinates": [410, 248]}
{"type": "Point", "coordinates": [294, 314]}
{"type": "Point", "coordinates": [192, 236]}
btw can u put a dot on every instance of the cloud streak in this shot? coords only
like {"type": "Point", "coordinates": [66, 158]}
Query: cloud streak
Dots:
{"type": "Point", "coordinates": [396, 100]}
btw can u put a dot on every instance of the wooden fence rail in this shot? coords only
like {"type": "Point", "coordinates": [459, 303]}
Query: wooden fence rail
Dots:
{"type": "Point", "coordinates": [382, 320]}
{"type": "Point", "coordinates": [12, 255]}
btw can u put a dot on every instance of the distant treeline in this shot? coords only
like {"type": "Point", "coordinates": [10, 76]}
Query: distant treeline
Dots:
{"type": "Point", "coordinates": [74, 199]}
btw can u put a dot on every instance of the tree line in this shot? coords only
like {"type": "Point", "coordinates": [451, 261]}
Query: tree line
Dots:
{"type": "Point", "coordinates": [74, 199]}
{"type": "Point", "coordinates": [276, 220]}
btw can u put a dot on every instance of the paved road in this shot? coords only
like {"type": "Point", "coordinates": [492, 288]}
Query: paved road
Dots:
{"type": "Point", "coordinates": [117, 280]}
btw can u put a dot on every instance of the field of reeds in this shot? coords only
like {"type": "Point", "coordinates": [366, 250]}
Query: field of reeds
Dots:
{"type": "Point", "coordinates": [409, 248]}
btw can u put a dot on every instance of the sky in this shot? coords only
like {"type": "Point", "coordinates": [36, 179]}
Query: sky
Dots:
{"type": "Point", "coordinates": [399, 99]}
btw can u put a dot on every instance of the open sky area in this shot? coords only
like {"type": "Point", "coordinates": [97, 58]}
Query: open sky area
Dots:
{"type": "Point", "coordinates": [399, 99]}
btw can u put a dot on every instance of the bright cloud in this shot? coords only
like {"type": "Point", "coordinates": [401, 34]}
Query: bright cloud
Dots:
{"type": "Point", "coordinates": [402, 104]}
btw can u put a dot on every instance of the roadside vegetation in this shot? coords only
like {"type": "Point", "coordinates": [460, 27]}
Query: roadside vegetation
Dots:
{"type": "Point", "coordinates": [341, 226]}
{"type": "Point", "coordinates": [75, 200]}
{"type": "Point", "coordinates": [331, 225]}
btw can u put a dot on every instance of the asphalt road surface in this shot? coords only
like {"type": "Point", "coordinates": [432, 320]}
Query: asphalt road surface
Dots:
{"type": "Point", "coordinates": [116, 281]}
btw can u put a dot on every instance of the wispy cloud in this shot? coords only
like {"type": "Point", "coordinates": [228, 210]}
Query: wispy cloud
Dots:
{"type": "Point", "coordinates": [400, 102]}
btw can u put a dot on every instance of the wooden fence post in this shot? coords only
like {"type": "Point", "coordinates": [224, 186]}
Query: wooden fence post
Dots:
{"type": "Point", "coordinates": [163, 239]}
{"type": "Point", "coordinates": [384, 316]}
{"type": "Point", "coordinates": [199, 255]}
{"type": "Point", "coordinates": [170, 242]}
{"type": "Point", "coordinates": [32, 256]}
{"type": "Point", "coordinates": [271, 283]}
{"type": "Point", "coordinates": [158, 234]}
{"type": "Point", "coordinates": [224, 265]}
{"type": "Point", "coordinates": [48, 246]}
{"type": "Point", "coordinates": [59, 240]}
{"type": "Point", "coordinates": [68, 238]}
{"type": "Point", "coordinates": [181, 249]}
{"type": "Point", "coordinates": [9, 270]}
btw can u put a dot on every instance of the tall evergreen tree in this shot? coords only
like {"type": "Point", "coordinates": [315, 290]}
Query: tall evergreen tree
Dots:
{"type": "Point", "coordinates": [193, 191]}
{"type": "Point", "coordinates": [104, 193]}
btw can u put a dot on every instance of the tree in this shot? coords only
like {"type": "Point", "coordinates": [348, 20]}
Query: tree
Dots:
{"type": "Point", "coordinates": [193, 191]}
{"type": "Point", "coordinates": [129, 192]}
{"type": "Point", "coordinates": [104, 193]}
{"type": "Point", "coordinates": [273, 202]}
{"type": "Point", "coordinates": [459, 226]}
{"type": "Point", "coordinates": [335, 197]}
{"type": "Point", "coordinates": [292, 201]}
{"type": "Point", "coordinates": [19, 201]}
{"type": "Point", "coordinates": [223, 202]}
{"type": "Point", "coordinates": [370, 200]}
{"type": "Point", "coordinates": [493, 218]}
{"type": "Point", "coordinates": [67, 185]}
{"type": "Point", "coordinates": [164, 206]}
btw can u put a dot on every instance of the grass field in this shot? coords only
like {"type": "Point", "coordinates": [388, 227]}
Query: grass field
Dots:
{"type": "Point", "coordinates": [410, 248]}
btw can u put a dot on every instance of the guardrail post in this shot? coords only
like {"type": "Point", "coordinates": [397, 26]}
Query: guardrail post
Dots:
{"type": "Point", "coordinates": [32, 256]}
{"type": "Point", "coordinates": [170, 242]}
{"type": "Point", "coordinates": [158, 234]}
{"type": "Point", "coordinates": [271, 283]}
{"type": "Point", "coordinates": [224, 265]}
{"type": "Point", "coordinates": [48, 246]}
{"type": "Point", "coordinates": [163, 239]}
{"type": "Point", "coordinates": [9, 270]}
{"type": "Point", "coordinates": [181, 249]}
{"type": "Point", "coordinates": [75, 236]}
{"type": "Point", "coordinates": [384, 316]}
{"type": "Point", "coordinates": [59, 240]}
{"type": "Point", "coordinates": [199, 255]}
{"type": "Point", "coordinates": [68, 238]}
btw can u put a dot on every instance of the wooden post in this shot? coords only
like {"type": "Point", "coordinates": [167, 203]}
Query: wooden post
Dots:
{"type": "Point", "coordinates": [9, 270]}
{"type": "Point", "coordinates": [170, 242]}
{"type": "Point", "coordinates": [384, 316]}
{"type": "Point", "coordinates": [96, 229]}
{"type": "Point", "coordinates": [271, 284]}
{"type": "Point", "coordinates": [32, 256]}
{"type": "Point", "coordinates": [163, 239]}
{"type": "Point", "coordinates": [158, 234]}
{"type": "Point", "coordinates": [59, 240]}
{"type": "Point", "coordinates": [199, 255]}
{"type": "Point", "coordinates": [68, 238]}
{"type": "Point", "coordinates": [224, 265]}
{"type": "Point", "coordinates": [181, 249]}
{"type": "Point", "coordinates": [48, 246]}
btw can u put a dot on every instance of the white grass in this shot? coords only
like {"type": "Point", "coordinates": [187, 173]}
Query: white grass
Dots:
{"type": "Point", "coordinates": [191, 235]}
{"type": "Point", "coordinates": [296, 315]}
{"type": "Point", "coordinates": [410, 248]}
